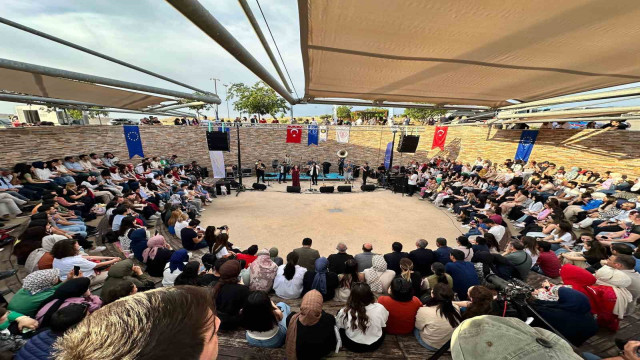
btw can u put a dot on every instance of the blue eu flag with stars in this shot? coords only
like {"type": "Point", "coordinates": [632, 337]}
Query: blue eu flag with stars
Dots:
{"type": "Point", "coordinates": [312, 135]}
{"type": "Point", "coordinates": [134, 143]}
{"type": "Point", "coordinates": [525, 146]}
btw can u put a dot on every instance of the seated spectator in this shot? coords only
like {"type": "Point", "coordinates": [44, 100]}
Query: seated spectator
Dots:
{"type": "Point", "coordinates": [221, 248]}
{"type": "Point", "coordinates": [362, 321]}
{"type": "Point", "coordinates": [626, 264]}
{"type": "Point", "coordinates": [347, 279]}
{"type": "Point", "coordinates": [570, 314]}
{"type": "Point", "coordinates": [66, 255]}
{"type": "Point", "coordinates": [263, 272]}
{"type": "Point", "coordinates": [74, 291]}
{"type": "Point", "coordinates": [41, 345]}
{"type": "Point", "coordinates": [422, 258]}
{"type": "Point", "coordinates": [336, 261]}
{"type": "Point", "coordinates": [443, 251]}
{"type": "Point", "coordinates": [531, 248]}
{"type": "Point", "coordinates": [393, 258]}
{"type": "Point", "coordinates": [264, 321]}
{"type": "Point", "coordinates": [183, 222]}
{"type": "Point", "coordinates": [465, 246]}
{"type": "Point", "coordinates": [516, 255]}
{"type": "Point", "coordinates": [189, 275]}
{"type": "Point", "coordinates": [310, 333]}
{"type": "Point", "coordinates": [307, 255]}
{"type": "Point", "coordinates": [174, 267]}
{"type": "Point", "coordinates": [176, 217]}
{"type": "Point", "coordinates": [321, 279]}
{"type": "Point", "coordinates": [118, 291]}
{"type": "Point", "coordinates": [378, 277]}
{"type": "Point", "coordinates": [192, 238]}
{"type": "Point", "coordinates": [365, 257]}
{"type": "Point", "coordinates": [479, 244]}
{"type": "Point", "coordinates": [289, 278]}
{"type": "Point", "coordinates": [462, 272]}
{"type": "Point", "coordinates": [230, 295]}
{"type": "Point", "coordinates": [402, 306]}
{"type": "Point", "coordinates": [436, 320]}
{"type": "Point", "coordinates": [562, 239]}
{"type": "Point", "coordinates": [480, 303]}
{"type": "Point", "coordinates": [414, 277]}
{"type": "Point", "coordinates": [125, 271]}
{"type": "Point", "coordinates": [139, 242]}
{"type": "Point", "coordinates": [439, 276]}
{"type": "Point", "coordinates": [593, 252]}
{"type": "Point", "coordinates": [189, 310]}
{"type": "Point", "coordinates": [547, 262]}
{"type": "Point", "coordinates": [628, 236]}
{"type": "Point", "coordinates": [156, 255]}
{"type": "Point", "coordinates": [36, 288]}
{"type": "Point", "coordinates": [41, 259]}
{"type": "Point", "coordinates": [273, 254]}
{"type": "Point", "coordinates": [248, 255]}
{"type": "Point", "coordinates": [212, 270]}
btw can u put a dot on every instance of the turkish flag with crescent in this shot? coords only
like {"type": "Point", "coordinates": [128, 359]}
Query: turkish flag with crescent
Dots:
{"type": "Point", "coordinates": [439, 137]}
{"type": "Point", "coordinates": [294, 134]}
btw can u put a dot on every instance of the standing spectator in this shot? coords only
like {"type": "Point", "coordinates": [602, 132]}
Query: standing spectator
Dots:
{"type": "Point", "coordinates": [393, 258]}
{"type": "Point", "coordinates": [402, 307]}
{"type": "Point", "coordinates": [436, 320]}
{"type": "Point", "coordinates": [422, 258]}
{"type": "Point", "coordinates": [307, 255]}
{"type": "Point", "coordinates": [443, 252]}
{"type": "Point", "coordinates": [310, 333]}
{"type": "Point", "coordinates": [364, 258]}
{"type": "Point", "coordinates": [462, 272]}
{"type": "Point", "coordinates": [362, 320]}
{"type": "Point", "coordinates": [337, 261]}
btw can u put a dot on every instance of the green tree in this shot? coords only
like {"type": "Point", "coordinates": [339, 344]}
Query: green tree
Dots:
{"type": "Point", "coordinates": [343, 112]}
{"type": "Point", "coordinates": [75, 114]}
{"type": "Point", "coordinates": [258, 99]}
{"type": "Point", "coordinates": [97, 112]}
{"type": "Point", "coordinates": [198, 108]}
{"type": "Point", "coordinates": [423, 114]}
{"type": "Point", "coordinates": [325, 116]}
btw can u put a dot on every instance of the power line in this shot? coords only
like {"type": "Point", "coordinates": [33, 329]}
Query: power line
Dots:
{"type": "Point", "coordinates": [277, 49]}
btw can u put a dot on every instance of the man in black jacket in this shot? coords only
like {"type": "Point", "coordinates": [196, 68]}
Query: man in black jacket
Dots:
{"type": "Point", "coordinates": [422, 258]}
{"type": "Point", "coordinates": [393, 258]}
{"type": "Point", "coordinates": [336, 261]}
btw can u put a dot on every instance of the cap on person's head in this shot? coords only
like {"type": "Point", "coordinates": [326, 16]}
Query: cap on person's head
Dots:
{"type": "Point", "coordinates": [506, 338]}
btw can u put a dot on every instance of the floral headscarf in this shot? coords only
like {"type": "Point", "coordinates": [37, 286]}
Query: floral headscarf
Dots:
{"type": "Point", "coordinates": [41, 280]}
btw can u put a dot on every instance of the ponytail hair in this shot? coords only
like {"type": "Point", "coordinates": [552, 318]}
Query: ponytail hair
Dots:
{"type": "Point", "coordinates": [290, 268]}
{"type": "Point", "coordinates": [406, 266]}
{"type": "Point", "coordinates": [442, 298]}
{"type": "Point", "coordinates": [438, 270]}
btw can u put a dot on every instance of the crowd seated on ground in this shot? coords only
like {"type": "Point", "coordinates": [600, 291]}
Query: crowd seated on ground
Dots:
{"type": "Point", "coordinates": [593, 278]}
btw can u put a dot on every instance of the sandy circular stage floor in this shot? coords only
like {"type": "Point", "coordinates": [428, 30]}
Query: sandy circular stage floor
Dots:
{"type": "Point", "coordinates": [277, 218]}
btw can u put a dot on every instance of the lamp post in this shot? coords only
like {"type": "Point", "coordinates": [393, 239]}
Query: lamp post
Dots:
{"type": "Point", "coordinates": [226, 94]}
{"type": "Point", "coordinates": [215, 88]}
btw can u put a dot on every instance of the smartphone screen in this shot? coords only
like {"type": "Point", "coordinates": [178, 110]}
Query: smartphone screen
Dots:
{"type": "Point", "coordinates": [76, 270]}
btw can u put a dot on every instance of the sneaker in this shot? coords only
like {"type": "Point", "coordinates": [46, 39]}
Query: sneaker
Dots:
{"type": "Point", "coordinates": [466, 226]}
{"type": "Point", "coordinates": [7, 274]}
{"type": "Point", "coordinates": [576, 226]}
{"type": "Point", "coordinates": [99, 249]}
{"type": "Point", "coordinates": [420, 198]}
{"type": "Point", "coordinates": [519, 225]}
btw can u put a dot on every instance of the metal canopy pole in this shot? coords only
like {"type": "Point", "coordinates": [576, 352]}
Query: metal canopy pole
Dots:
{"type": "Point", "coordinates": [179, 106]}
{"type": "Point", "coordinates": [575, 98]}
{"type": "Point", "coordinates": [44, 70]}
{"type": "Point", "coordinates": [568, 113]}
{"type": "Point", "coordinates": [263, 40]}
{"type": "Point", "coordinates": [95, 53]}
{"type": "Point", "coordinates": [118, 111]}
{"type": "Point", "coordinates": [200, 17]}
{"type": "Point", "coordinates": [394, 105]}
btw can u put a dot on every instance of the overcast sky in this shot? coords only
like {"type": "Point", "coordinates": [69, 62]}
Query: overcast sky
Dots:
{"type": "Point", "coordinates": [153, 35]}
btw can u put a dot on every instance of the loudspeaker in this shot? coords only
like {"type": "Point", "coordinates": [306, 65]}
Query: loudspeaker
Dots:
{"type": "Point", "coordinates": [408, 143]}
{"type": "Point", "coordinates": [218, 140]}
{"type": "Point", "coordinates": [327, 189]}
{"type": "Point", "coordinates": [293, 189]}
{"type": "Point", "coordinates": [246, 172]}
{"type": "Point", "coordinates": [261, 187]}
{"type": "Point", "coordinates": [344, 188]}
{"type": "Point", "coordinates": [368, 187]}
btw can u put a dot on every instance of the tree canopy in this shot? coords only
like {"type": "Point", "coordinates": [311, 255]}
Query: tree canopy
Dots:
{"type": "Point", "coordinates": [423, 114]}
{"type": "Point", "coordinates": [257, 99]}
{"type": "Point", "coordinates": [343, 112]}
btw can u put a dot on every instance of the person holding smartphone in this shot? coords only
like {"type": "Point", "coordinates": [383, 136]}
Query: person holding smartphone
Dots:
{"type": "Point", "coordinates": [192, 238]}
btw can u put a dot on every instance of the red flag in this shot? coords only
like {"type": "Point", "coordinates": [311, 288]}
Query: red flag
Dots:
{"type": "Point", "coordinates": [294, 134]}
{"type": "Point", "coordinates": [439, 137]}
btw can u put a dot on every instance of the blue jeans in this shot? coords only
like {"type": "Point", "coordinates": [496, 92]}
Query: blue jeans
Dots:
{"type": "Point", "coordinates": [278, 339]}
{"type": "Point", "coordinates": [79, 229]}
{"type": "Point", "coordinates": [590, 356]}
{"type": "Point", "coordinates": [416, 332]}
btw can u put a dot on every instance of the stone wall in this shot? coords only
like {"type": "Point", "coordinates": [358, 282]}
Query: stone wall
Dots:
{"type": "Point", "coordinates": [594, 149]}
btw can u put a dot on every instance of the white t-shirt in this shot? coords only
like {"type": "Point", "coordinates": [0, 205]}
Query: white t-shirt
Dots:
{"type": "Point", "coordinates": [179, 226]}
{"type": "Point", "coordinates": [534, 258]}
{"type": "Point", "coordinates": [413, 180]}
{"type": "Point", "coordinates": [289, 289]}
{"type": "Point", "coordinates": [378, 316]}
{"type": "Point", "coordinates": [497, 231]}
{"type": "Point", "coordinates": [222, 253]}
{"type": "Point", "coordinates": [566, 239]}
{"type": "Point", "coordinates": [66, 264]}
{"type": "Point", "coordinates": [168, 277]}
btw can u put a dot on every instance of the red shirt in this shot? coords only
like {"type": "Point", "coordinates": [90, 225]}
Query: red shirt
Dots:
{"type": "Point", "coordinates": [402, 315]}
{"type": "Point", "coordinates": [246, 257]}
{"type": "Point", "coordinates": [549, 263]}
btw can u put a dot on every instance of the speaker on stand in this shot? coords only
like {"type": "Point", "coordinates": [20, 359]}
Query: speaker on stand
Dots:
{"type": "Point", "coordinates": [408, 143]}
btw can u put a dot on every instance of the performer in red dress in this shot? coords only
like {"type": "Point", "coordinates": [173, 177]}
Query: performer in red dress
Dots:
{"type": "Point", "coordinates": [295, 176]}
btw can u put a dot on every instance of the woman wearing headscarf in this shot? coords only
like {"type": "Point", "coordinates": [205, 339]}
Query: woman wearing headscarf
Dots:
{"type": "Point", "coordinates": [262, 272]}
{"type": "Point", "coordinates": [72, 291]}
{"type": "Point", "coordinates": [570, 315]}
{"type": "Point", "coordinates": [125, 271]}
{"type": "Point", "coordinates": [36, 288]}
{"type": "Point", "coordinates": [603, 299]}
{"type": "Point", "coordinates": [138, 242]}
{"type": "Point", "coordinates": [41, 258]}
{"type": "Point", "coordinates": [188, 276]}
{"type": "Point", "coordinates": [156, 255]}
{"type": "Point", "coordinates": [310, 333]}
{"type": "Point", "coordinates": [174, 267]}
{"type": "Point", "coordinates": [377, 276]}
{"type": "Point", "coordinates": [273, 253]}
{"type": "Point", "coordinates": [321, 279]}
{"type": "Point", "coordinates": [229, 295]}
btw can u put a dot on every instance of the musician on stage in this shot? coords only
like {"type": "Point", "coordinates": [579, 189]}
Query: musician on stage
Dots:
{"type": "Point", "coordinates": [314, 170]}
{"type": "Point", "coordinates": [260, 168]}
{"type": "Point", "coordinates": [295, 176]}
{"type": "Point", "coordinates": [282, 173]}
{"type": "Point", "coordinates": [341, 166]}
{"type": "Point", "coordinates": [348, 171]}
{"type": "Point", "coordinates": [382, 171]}
{"type": "Point", "coordinates": [287, 159]}
{"type": "Point", "coordinates": [365, 172]}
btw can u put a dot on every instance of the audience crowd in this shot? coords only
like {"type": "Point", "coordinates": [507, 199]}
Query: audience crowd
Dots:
{"type": "Point", "coordinates": [577, 228]}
